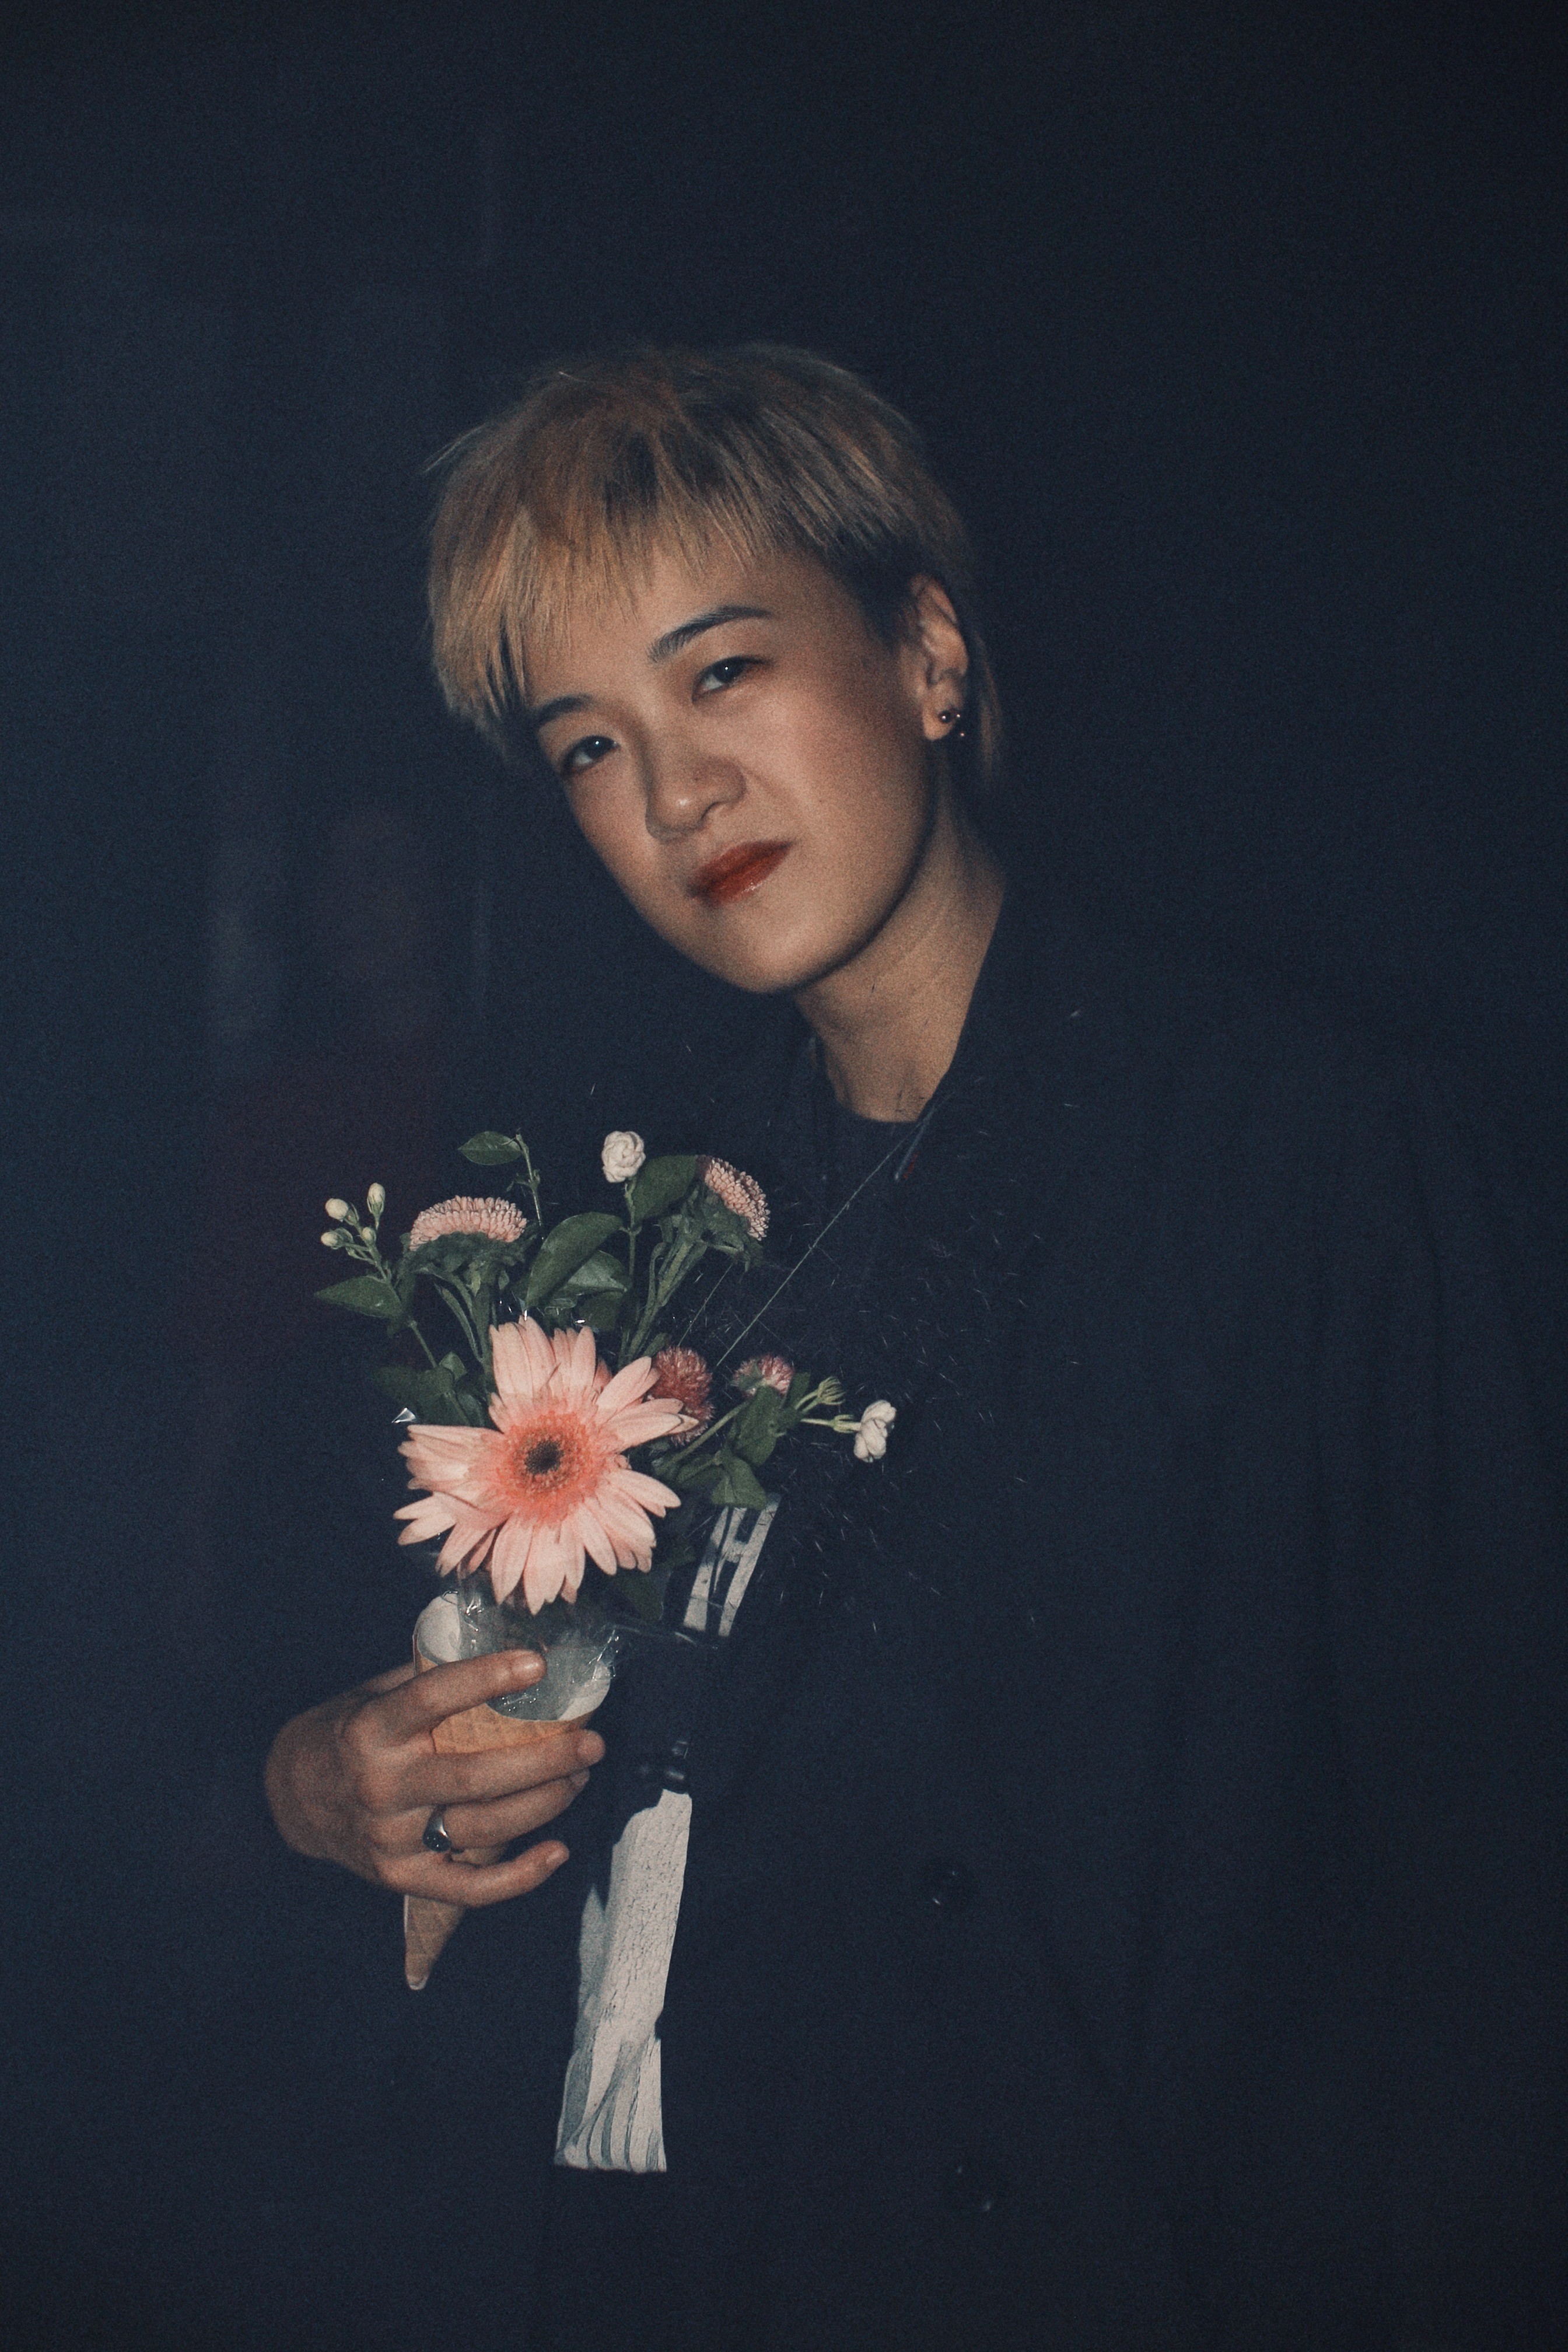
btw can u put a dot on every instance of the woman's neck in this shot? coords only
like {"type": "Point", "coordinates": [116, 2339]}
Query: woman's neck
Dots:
{"type": "Point", "coordinates": [888, 1023]}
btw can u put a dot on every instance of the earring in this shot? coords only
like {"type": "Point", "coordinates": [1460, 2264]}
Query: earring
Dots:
{"type": "Point", "coordinates": [949, 718]}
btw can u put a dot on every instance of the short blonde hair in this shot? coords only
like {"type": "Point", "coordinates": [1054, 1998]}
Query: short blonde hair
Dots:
{"type": "Point", "coordinates": [765, 450]}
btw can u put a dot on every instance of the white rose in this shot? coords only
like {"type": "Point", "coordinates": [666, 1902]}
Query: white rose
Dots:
{"type": "Point", "coordinates": [623, 1155]}
{"type": "Point", "coordinates": [871, 1437]}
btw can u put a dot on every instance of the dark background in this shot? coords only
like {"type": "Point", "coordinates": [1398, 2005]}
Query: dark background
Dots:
{"type": "Point", "coordinates": [1239, 334]}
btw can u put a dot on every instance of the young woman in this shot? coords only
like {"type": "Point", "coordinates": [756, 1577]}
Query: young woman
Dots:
{"type": "Point", "coordinates": [1103, 1891]}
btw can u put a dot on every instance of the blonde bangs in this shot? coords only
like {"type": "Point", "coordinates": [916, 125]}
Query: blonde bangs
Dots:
{"type": "Point", "coordinates": [761, 452]}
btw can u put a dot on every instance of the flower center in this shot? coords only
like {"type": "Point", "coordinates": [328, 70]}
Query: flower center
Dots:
{"type": "Point", "coordinates": [550, 1456]}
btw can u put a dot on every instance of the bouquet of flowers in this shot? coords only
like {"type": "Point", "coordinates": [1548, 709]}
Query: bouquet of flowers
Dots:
{"type": "Point", "coordinates": [555, 1413]}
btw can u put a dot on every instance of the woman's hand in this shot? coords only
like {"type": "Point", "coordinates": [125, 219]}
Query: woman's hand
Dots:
{"type": "Point", "coordinates": [356, 1780]}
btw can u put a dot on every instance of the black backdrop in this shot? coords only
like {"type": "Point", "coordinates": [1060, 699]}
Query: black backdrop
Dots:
{"type": "Point", "coordinates": [1239, 334]}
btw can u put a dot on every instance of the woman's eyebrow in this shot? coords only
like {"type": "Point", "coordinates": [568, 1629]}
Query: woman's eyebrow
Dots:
{"type": "Point", "coordinates": [659, 651]}
{"type": "Point", "coordinates": [557, 709]}
{"type": "Point", "coordinates": [674, 639]}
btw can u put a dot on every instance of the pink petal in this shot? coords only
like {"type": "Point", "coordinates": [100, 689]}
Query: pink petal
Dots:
{"type": "Point", "coordinates": [508, 1558]}
{"type": "Point", "coordinates": [426, 1520]}
{"type": "Point", "coordinates": [577, 1360]}
{"type": "Point", "coordinates": [523, 1361]}
{"type": "Point", "coordinates": [464, 1543]}
{"type": "Point", "coordinates": [632, 1381]}
{"type": "Point", "coordinates": [545, 1573]}
{"type": "Point", "coordinates": [635, 1423]}
{"type": "Point", "coordinates": [651, 1493]}
{"type": "Point", "coordinates": [630, 1532]}
{"type": "Point", "coordinates": [434, 1456]}
{"type": "Point", "coordinates": [594, 1537]}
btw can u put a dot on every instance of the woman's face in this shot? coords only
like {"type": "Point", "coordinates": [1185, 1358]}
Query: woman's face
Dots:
{"type": "Point", "coordinates": [748, 758]}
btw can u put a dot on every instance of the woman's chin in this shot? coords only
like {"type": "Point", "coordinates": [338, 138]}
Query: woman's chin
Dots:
{"type": "Point", "coordinates": [761, 971]}
{"type": "Point", "coordinates": [774, 944]}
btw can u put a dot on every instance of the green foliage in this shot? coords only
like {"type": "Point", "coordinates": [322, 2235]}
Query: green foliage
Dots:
{"type": "Point", "coordinates": [366, 1294]}
{"type": "Point", "coordinates": [723, 1477]}
{"type": "Point", "coordinates": [737, 1483]}
{"type": "Point", "coordinates": [600, 1272]}
{"type": "Point", "coordinates": [460, 1254]}
{"type": "Point", "coordinates": [660, 1184]}
{"type": "Point", "coordinates": [491, 1150]}
{"type": "Point", "coordinates": [619, 1275]}
{"type": "Point", "coordinates": [725, 1229]}
{"type": "Point", "coordinates": [603, 1312]}
{"type": "Point", "coordinates": [644, 1595]}
{"type": "Point", "coordinates": [430, 1395]}
{"type": "Point", "coordinates": [571, 1243]}
{"type": "Point", "coordinates": [755, 1433]}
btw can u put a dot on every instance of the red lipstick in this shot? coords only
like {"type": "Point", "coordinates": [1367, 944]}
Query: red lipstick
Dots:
{"type": "Point", "coordinates": [736, 871]}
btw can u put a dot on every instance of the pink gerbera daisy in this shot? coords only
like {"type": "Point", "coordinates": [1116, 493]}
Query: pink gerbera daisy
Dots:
{"type": "Point", "coordinates": [737, 1191]}
{"type": "Point", "coordinates": [682, 1376]}
{"type": "Point", "coordinates": [549, 1489]}
{"type": "Point", "coordinates": [490, 1220]}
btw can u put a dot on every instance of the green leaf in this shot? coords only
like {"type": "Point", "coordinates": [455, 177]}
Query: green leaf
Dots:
{"type": "Point", "coordinates": [491, 1150]}
{"type": "Point", "coordinates": [603, 1312]}
{"type": "Point", "coordinates": [737, 1483]}
{"type": "Point", "coordinates": [689, 1477]}
{"type": "Point", "coordinates": [428, 1395]}
{"type": "Point", "coordinates": [643, 1593]}
{"type": "Point", "coordinates": [660, 1183]}
{"type": "Point", "coordinates": [565, 1250]}
{"type": "Point", "coordinates": [755, 1433]}
{"type": "Point", "coordinates": [723, 1226]}
{"type": "Point", "coordinates": [598, 1272]}
{"type": "Point", "coordinates": [460, 1254]}
{"type": "Point", "coordinates": [365, 1294]}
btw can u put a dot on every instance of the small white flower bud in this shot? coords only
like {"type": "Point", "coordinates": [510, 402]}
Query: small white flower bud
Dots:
{"type": "Point", "coordinates": [375, 1199]}
{"type": "Point", "coordinates": [871, 1437]}
{"type": "Point", "coordinates": [338, 1209]}
{"type": "Point", "coordinates": [623, 1155]}
{"type": "Point", "coordinates": [334, 1238]}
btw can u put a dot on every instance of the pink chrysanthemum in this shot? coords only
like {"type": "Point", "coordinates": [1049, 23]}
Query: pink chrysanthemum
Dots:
{"type": "Point", "coordinates": [549, 1489]}
{"type": "Point", "coordinates": [682, 1376]}
{"type": "Point", "coordinates": [737, 1191]}
{"type": "Point", "coordinates": [774, 1372]}
{"type": "Point", "coordinates": [491, 1220]}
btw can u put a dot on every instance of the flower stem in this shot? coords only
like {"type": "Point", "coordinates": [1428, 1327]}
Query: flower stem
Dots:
{"type": "Point", "coordinates": [697, 1443]}
{"type": "Point", "coordinates": [533, 1183]}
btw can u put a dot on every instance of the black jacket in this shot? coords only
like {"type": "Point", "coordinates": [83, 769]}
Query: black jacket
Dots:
{"type": "Point", "coordinates": [1124, 1904]}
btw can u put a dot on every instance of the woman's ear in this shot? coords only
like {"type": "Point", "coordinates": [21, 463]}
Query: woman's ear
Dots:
{"type": "Point", "coordinates": [936, 657]}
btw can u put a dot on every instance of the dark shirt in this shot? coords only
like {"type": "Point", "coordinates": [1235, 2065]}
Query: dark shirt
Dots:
{"type": "Point", "coordinates": [1124, 1904]}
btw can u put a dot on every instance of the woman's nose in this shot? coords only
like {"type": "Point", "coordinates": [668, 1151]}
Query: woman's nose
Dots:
{"type": "Point", "coordinates": [684, 788]}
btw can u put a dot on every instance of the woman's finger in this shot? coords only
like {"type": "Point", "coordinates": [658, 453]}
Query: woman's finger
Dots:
{"type": "Point", "coordinates": [413, 1710]}
{"type": "Point", "coordinates": [481, 1775]}
{"type": "Point", "coordinates": [449, 1879]}
{"type": "Point", "coordinates": [502, 1822]}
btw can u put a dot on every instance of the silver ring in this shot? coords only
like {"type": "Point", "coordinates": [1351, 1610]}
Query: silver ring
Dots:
{"type": "Point", "coordinates": [434, 1835]}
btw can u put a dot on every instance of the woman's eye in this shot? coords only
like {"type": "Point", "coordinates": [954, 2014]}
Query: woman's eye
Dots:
{"type": "Point", "coordinates": [586, 754]}
{"type": "Point", "coordinates": [721, 674]}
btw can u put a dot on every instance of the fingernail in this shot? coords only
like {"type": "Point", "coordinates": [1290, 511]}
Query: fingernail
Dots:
{"type": "Point", "coordinates": [528, 1665]}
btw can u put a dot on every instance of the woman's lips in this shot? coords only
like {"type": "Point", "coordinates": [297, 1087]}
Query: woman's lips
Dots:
{"type": "Point", "coordinates": [736, 871]}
